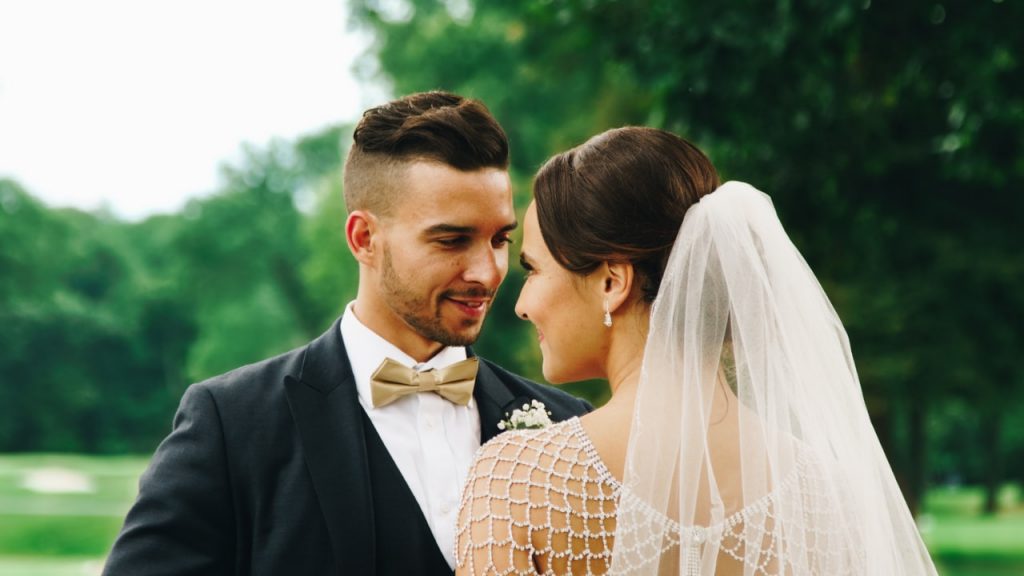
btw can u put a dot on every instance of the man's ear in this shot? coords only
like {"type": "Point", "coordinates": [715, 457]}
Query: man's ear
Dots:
{"type": "Point", "coordinates": [360, 229]}
{"type": "Point", "coordinates": [616, 283]}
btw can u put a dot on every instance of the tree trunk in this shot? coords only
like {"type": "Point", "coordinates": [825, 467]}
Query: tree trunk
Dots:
{"type": "Point", "coordinates": [917, 475]}
{"type": "Point", "coordinates": [881, 410]}
{"type": "Point", "coordinates": [991, 427]}
{"type": "Point", "coordinates": [297, 296]}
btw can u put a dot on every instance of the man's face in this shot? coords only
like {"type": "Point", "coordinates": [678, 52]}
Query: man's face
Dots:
{"type": "Point", "coordinates": [445, 251]}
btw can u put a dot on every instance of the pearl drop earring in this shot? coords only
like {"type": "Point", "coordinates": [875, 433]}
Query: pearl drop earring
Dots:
{"type": "Point", "coordinates": [607, 315]}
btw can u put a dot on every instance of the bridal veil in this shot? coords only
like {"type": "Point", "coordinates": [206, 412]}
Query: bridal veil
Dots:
{"type": "Point", "coordinates": [751, 451]}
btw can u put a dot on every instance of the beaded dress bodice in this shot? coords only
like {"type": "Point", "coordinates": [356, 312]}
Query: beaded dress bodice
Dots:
{"type": "Point", "coordinates": [543, 502]}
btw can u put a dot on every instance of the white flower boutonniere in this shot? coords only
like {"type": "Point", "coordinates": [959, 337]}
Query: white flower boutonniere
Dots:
{"type": "Point", "coordinates": [530, 416]}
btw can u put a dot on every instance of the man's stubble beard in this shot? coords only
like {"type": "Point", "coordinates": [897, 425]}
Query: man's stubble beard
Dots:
{"type": "Point", "coordinates": [414, 310]}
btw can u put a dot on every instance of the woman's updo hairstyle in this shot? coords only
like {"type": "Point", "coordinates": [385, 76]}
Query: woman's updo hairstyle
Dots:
{"type": "Point", "coordinates": [621, 197]}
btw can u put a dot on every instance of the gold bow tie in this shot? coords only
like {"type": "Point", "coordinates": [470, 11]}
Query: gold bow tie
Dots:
{"type": "Point", "coordinates": [392, 380]}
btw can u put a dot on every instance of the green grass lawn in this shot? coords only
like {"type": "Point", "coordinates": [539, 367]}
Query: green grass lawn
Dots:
{"type": "Point", "coordinates": [42, 566]}
{"type": "Point", "coordinates": [965, 543]}
{"type": "Point", "coordinates": [60, 534]}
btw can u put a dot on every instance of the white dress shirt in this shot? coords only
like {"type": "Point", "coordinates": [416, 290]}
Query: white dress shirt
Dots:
{"type": "Point", "coordinates": [431, 440]}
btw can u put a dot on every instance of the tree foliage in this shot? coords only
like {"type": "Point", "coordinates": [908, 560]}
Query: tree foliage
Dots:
{"type": "Point", "coordinates": [91, 351]}
{"type": "Point", "coordinates": [104, 323]}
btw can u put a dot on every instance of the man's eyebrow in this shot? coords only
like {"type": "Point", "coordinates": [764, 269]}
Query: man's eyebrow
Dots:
{"type": "Point", "coordinates": [449, 229]}
{"type": "Point", "coordinates": [453, 229]}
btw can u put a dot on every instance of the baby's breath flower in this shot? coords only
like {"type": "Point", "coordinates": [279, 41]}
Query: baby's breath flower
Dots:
{"type": "Point", "coordinates": [531, 416]}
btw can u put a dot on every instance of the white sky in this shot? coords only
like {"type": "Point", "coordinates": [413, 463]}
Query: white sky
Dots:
{"type": "Point", "coordinates": [133, 104]}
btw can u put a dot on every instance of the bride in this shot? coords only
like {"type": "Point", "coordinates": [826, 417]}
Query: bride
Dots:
{"type": "Point", "coordinates": [736, 440]}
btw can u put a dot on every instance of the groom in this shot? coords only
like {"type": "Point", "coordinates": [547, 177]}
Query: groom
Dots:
{"type": "Point", "coordinates": [347, 456]}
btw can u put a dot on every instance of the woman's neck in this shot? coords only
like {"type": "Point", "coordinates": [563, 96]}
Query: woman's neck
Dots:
{"type": "Point", "coordinates": [624, 377]}
{"type": "Point", "coordinates": [625, 359]}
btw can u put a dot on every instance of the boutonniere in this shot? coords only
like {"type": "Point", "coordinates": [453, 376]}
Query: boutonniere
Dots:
{"type": "Point", "coordinates": [530, 416]}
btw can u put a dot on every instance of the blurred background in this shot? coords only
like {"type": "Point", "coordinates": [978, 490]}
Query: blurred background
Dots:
{"type": "Point", "coordinates": [889, 134]}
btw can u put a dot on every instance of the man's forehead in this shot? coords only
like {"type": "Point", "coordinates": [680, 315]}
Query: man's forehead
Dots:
{"type": "Point", "coordinates": [437, 192]}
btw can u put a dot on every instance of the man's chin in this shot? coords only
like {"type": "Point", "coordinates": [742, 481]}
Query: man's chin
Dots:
{"type": "Point", "coordinates": [450, 333]}
{"type": "Point", "coordinates": [464, 337]}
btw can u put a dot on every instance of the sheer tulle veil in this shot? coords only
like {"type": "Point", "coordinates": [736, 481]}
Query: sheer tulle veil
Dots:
{"type": "Point", "coordinates": [751, 451]}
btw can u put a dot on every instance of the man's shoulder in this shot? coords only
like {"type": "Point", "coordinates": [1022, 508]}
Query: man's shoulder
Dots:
{"type": "Point", "coordinates": [256, 378]}
{"type": "Point", "coordinates": [549, 395]}
{"type": "Point", "coordinates": [248, 402]}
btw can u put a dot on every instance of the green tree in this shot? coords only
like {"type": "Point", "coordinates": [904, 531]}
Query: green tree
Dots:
{"type": "Point", "coordinates": [78, 329]}
{"type": "Point", "coordinates": [249, 255]}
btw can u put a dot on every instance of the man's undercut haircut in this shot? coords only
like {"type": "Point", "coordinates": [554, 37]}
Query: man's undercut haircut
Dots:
{"type": "Point", "coordinates": [427, 126]}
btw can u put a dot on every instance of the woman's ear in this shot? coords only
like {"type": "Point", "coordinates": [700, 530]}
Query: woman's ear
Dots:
{"type": "Point", "coordinates": [616, 283]}
{"type": "Point", "coordinates": [360, 229]}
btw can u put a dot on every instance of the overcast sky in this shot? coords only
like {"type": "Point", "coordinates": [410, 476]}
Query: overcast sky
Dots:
{"type": "Point", "coordinates": [132, 104]}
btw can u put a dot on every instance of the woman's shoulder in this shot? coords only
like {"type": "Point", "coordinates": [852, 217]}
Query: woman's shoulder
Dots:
{"type": "Point", "coordinates": [553, 458]}
{"type": "Point", "coordinates": [552, 453]}
{"type": "Point", "coordinates": [510, 464]}
{"type": "Point", "coordinates": [533, 447]}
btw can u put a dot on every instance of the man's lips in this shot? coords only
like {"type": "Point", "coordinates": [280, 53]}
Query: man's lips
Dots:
{"type": "Point", "coordinates": [470, 306]}
{"type": "Point", "coordinates": [471, 302]}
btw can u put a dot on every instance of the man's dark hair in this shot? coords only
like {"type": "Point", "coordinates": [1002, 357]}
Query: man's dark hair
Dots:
{"type": "Point", "coordinates": [427, 126]}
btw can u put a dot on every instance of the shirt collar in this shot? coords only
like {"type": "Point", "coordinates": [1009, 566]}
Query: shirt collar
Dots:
{"type": "Point", "coordinates": [366, 350]}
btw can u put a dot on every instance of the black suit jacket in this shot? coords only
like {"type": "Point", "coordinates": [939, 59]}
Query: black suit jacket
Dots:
{"type": "Point", "coordinates": [265, 471]}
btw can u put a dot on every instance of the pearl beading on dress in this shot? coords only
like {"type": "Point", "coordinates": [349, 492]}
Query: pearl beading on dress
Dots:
{"type": "Point", "coordinates": [543, 502]}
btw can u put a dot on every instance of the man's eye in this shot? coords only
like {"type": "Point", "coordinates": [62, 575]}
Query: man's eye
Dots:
{"type": "Point", "coordinates": [503, 241]}
{"type": "Point", "coordinates": [453, 242]}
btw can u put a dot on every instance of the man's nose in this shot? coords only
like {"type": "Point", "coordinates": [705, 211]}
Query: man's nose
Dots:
{"type": "Point", "coordinates": [485, 267]}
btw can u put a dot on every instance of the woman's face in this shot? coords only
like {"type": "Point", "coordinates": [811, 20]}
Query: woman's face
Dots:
{"type": "Point", "coordinates": [566, 309]}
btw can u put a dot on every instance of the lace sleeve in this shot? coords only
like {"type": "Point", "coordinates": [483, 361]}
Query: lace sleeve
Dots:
{"type": "Point", "coordinates": [537, 502]}
{"type": "Point", "coordinates": [493, 535]}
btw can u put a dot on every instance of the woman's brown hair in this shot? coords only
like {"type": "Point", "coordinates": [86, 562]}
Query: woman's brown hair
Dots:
{"type": "Point", "coordinates": [621, 196]}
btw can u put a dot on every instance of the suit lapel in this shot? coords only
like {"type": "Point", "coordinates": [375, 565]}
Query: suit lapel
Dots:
{"type": "Point", "coordinates": [325, 406]}
{"type": "Point", "coordinates": [492, 396]}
